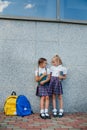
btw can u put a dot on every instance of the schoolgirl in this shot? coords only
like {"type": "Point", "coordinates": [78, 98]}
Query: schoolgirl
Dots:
{"type": "Point", "coordinates": [42, 76]}
{"type": "Point", "coordinates": [58, 73]}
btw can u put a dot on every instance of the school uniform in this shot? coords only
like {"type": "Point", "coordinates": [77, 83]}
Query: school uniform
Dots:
{"type": "Point", "coordinates": [42, 90]}
{"type": "Point", "coordinates": [55, 83]}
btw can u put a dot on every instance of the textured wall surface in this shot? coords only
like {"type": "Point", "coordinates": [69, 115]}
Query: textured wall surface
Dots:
{"type": "Point", "coordinates": [23, 42]}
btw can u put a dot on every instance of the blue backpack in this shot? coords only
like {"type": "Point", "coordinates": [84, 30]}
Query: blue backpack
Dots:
{"type": "Point", "coordinates": [23, 106]}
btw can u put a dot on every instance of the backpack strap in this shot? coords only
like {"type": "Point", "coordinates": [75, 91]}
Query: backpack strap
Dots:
{"type": "Point", "coordinates": [46, 69]}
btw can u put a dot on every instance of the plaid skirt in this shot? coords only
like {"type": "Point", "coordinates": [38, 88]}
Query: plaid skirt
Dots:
{"type": "Point", "coordinates": [43, 90]}
{"type": "Point", "coordinates": [55, 86]}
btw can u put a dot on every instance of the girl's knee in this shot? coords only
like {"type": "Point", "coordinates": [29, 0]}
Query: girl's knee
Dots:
{"type": "Point", "coordinates": [53, 96]}
{"type": "Point", "coordinates": [43, 98]}
{"type": "Point", "coordinates": [47, 97]}
{"type": "Point", "coordinates": [60, 97]}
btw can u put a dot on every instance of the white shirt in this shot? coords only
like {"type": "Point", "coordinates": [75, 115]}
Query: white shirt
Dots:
{"type": "Point", "coordinates": [55, 70]}
{"type": "Point", "coordinates": [41, 71]}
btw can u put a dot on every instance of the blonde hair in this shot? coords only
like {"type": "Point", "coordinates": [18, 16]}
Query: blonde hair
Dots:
{"type": "Point", "coordinates": [58, 59]}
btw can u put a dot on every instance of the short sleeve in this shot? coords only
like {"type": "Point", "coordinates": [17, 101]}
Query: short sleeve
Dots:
{"type": "Point", "coordinates": [64, 70]}
{"type": "Point", "coordinates": [36, 73]}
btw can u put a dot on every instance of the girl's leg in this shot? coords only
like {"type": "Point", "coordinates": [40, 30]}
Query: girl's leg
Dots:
{"type": "Point", "coordinates": [46, 102]}
{"type": "Point", "coordinates": [60, 101]}
{"type": "Point", "coordinates": [42, 111]}
{"type": "Point", "coordinates": [54, 105]}
{"type": "Point", "coordinates": [61, 111]}
{"type": "Point", "coordinates": [54, 101]}
{"type": "Point", "coordinates": [42, 100]}
{"type": "Point", "coordinates": [46, 107]}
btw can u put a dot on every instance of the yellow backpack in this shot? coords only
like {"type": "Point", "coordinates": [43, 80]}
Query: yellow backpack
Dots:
{"type": "Point", "coordinates": [10, 104]}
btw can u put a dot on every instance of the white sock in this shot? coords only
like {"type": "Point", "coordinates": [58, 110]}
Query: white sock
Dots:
{"type": "Point", "coordinates": [42, 111]}
{"type": "Point", "coordinates": [54, 110]}
{"type": "Point", "coordinates": [46, 110]}
{"type": "Point", "coordinates": [61, 110]}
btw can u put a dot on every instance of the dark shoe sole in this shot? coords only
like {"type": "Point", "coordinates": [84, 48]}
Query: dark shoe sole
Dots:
{"type": "Point", "coordinates": [48, 117]}
{"type": "Point", "coordinates": [43, 117]}
{"type": "Point", "coordinates": [60, 116]}
{"type": "Point", "coordinates": [55, 116]}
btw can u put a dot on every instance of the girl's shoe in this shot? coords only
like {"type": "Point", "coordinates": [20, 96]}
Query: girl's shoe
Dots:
{"type": "Point", "coordinates": [61, 114]}
{"type": "Point", "coordinates": [55, 114]}
{"type": "Point", "coordinates": [42, 115]}
{"type": "Point", "coordinates": [47, 116]}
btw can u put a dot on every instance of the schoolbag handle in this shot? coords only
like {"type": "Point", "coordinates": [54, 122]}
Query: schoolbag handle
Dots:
{"type": "Point", "coordinates": [13, 93]}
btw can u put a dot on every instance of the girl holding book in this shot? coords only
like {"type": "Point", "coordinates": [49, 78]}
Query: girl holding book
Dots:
{"type": "Point", "coordinates": [42, 77]}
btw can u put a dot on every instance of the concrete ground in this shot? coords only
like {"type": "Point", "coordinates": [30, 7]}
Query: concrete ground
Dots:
{"type": "Point", "coordinates": [74, 121]}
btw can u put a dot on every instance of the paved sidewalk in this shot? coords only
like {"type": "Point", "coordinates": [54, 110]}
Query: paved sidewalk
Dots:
{"type": "Point", "coordinates": [75, 121]}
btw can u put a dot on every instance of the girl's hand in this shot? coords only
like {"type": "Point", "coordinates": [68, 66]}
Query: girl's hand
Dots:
{"type": "Point", "coordinates": [42, 83]}
{"type": "Point", "coordinates": [60, 77]}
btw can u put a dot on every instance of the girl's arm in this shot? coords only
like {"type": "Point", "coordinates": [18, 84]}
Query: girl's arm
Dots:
{"type": "Point", "coordinates": [38, 78]}
{"type": "Point", "coordinates": [62, 76]}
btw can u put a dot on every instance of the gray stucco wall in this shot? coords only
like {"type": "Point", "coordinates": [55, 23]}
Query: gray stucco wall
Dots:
{"type": "Point", "coordinates": [23, 42]}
